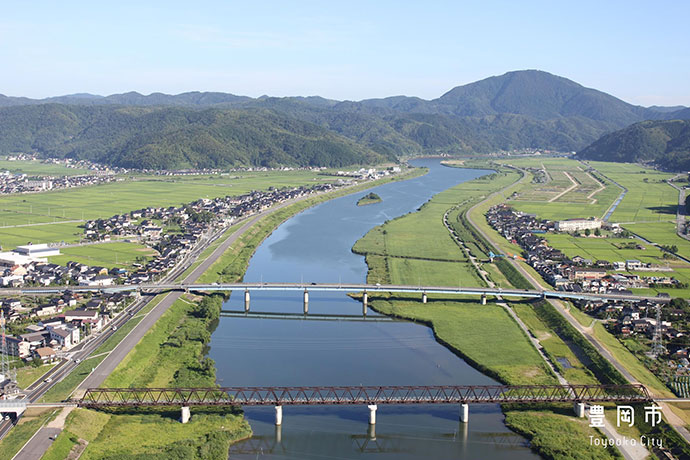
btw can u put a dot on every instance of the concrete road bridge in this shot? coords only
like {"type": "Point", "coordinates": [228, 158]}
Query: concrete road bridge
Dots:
{"type": "Point", "coordinates": [365, 289]}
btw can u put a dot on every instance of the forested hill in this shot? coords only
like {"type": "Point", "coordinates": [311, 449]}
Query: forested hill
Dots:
{"type": "Point", "coordinates": [665, 143]}
{"type": "Point", "coordinates": [168, 138]}
{"type": "Point", "coordinates": [517, 110]}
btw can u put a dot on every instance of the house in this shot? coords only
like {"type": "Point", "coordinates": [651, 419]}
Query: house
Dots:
{"type": "Point", "coordinates": [587, 273]}
{"type": "Point", "coordinates": [66, 337]}
{"type": "Point", "coordinates": [46, 354]}
{"type": "Point", "coordinates": [633, 264]}
{"type": "Point", "coordinates": [18, 347]}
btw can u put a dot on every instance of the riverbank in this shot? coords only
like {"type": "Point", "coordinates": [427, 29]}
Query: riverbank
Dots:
{"type": "Point", "coordinates": [485, 336]}
{"type": "Point", "coordinates": [173, 353]}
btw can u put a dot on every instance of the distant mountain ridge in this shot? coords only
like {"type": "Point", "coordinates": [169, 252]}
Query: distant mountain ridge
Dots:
{"type": "Point", "coordinates": [517, 110]}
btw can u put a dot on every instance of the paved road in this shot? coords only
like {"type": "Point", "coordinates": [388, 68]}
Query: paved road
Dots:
{"type": "Point", "coordinates": [38, 444]}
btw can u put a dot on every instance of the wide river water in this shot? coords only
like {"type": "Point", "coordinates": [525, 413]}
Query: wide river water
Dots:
{"type": "Point", "coordinates": [315, 246]}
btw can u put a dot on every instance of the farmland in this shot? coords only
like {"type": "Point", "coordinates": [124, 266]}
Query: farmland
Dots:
{"type": "Point", "coordinates": [561, 188]}
{"type": "Point", "coordinates": [37, 168]}
{"type": "Point", "coordinates": [77, 204]}
{"type": "Point", "coordinates": [115, 254]}
{"type": "Point", "coordinates": [649, 198]}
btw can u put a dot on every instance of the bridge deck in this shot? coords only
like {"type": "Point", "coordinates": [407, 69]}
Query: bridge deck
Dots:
{"type": "Point", "coordinates": [278, 396]}
{"type": "Point", "coordinates": [338, 287]}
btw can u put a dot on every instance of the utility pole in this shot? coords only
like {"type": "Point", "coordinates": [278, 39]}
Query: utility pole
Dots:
{"type": "Point", "coordinates": [8, 379]}
{"type": "Point", "coordinates": [657, 345]}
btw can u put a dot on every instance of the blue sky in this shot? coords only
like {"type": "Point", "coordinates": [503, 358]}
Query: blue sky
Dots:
{"type": "Point", "coordinates": [635, 50]}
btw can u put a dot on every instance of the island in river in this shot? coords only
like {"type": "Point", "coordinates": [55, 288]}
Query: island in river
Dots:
{"type": "Point", "coordinates": [369, 198]}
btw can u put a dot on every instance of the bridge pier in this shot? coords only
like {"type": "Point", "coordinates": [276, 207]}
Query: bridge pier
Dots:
{"type": "Point", "coordinates": [372, 414]}
{"type": "Point", "coordinates": [371, 432]}
{"type": "Point", "coordinates": [483, 299]}
{"type": "Point", "coordinates": [306, 301]}
{"type": "Point", "coordinates": [424, 298]}
{"type": "Point", "coordinates": [579, 409]}
{"type": "Point", "coordinates": [365, 302]}
{"type": "Point", "coordinates": [246, 300]}
{"type": "Point", "coordinates": [279, 415]}
{"type": "Point", "coordinates": [186, 414]}
{"type": "Point", "coordinates": [279, 434]}
{"type": "Point", "coordinates": [464, 413]}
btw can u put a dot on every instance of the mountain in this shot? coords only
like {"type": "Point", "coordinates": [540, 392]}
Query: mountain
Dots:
{"type": "Point", "coordinates": [517, 110]}
{"type": "Point", "coordinates": [665, 143]}
{"type": "Point", "coordinates": [173, 137]}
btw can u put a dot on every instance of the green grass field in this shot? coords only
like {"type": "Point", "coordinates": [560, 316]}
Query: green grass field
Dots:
{"type": "Point", "coordinates": [36, 168]}
{"type": "Point", "coordinates": [555, 348]}
{"type": "Point", "coordinates": [557, 436]}
{"type": "Point", "coordinates": [610, 249]}
{"type": "Point", "coordinates": [483, 334]}
{"type": "Point", "coordinates": [118, 434]}
{"type": "Point", "coordinates": [28, 374]}
{"type": "Point", "coordinates": [115, 254]}
{"type": "Point", "coordinates": [648, 198]}
{"type": "Point", "coordinates": [116, 198]}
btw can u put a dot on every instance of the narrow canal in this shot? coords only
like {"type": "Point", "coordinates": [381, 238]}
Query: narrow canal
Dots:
{"type": "Point", "coordinates": [315, 246]}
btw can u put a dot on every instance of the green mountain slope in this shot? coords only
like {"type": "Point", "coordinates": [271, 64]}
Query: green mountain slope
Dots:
{"type": "Point", "coordinates": [665, 143]}
{"type": "Point", "coordinates": [155, 137]}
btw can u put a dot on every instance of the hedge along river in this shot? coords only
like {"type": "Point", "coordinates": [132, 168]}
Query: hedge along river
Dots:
{"type": "Point", "coordinates": [315, 246]}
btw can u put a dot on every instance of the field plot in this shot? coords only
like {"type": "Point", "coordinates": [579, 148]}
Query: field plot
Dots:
{"type": "Point", "coordinates": [107, 255]}
{"type": "Point", "coordinates": [36, 168]}
{"type": "Point", "coordinates": [663, 233]}
{"type": "Point", "coordinates": [649, 198]}
{"type": "Point", "coordinates": [119, 197]}
{"type": "Point", "coordinates": [609, 249]}
{"type": "Point", "coordinates": [567, 189]}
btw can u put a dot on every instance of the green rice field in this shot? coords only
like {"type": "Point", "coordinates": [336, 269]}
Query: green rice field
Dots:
{"type": "Point", "coordinates": [570, 191]}
{"type": "Point", "coordinates": [115, 254]}
{"type": "Point", "coordinates": [20, 213]}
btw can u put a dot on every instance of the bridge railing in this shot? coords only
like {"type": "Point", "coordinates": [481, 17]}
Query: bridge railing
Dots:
{"type": "Point", "coordinates": [322, 395]}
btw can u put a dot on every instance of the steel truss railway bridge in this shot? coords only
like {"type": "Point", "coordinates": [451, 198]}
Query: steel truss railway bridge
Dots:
{"type": "Point", "coordinates": [371, 396]}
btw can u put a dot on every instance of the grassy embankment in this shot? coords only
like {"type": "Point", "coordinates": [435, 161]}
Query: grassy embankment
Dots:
{"type": "Point", "coordinates": [172, 354]}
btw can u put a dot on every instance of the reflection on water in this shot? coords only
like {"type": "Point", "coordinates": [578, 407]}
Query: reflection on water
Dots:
{"type": "Point", "coordinates": [265, 349]}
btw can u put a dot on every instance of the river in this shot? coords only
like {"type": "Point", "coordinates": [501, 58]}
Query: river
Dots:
{"type": "Point", "coordinates": [315, 246]}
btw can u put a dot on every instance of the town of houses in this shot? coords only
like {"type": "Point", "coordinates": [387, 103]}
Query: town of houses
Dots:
{"type": "Point", "coordinates": [578, 274]}
{"type": "Point", "coordinates": [49, 328]}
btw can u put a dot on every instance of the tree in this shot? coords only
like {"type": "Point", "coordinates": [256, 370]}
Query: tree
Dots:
{"type": "Point", "coordinates": [597, 232]}
{"type": "Point", "coordinates": [587, 232]}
